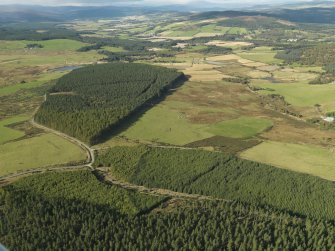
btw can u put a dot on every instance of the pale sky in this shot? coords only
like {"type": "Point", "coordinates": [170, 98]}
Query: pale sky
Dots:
{"type": "Point", "coordinates": [142, 2]}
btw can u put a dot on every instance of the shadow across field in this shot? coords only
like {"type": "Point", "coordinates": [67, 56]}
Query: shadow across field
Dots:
{"type": "Point", "coordinates": [226, 144]}
{"type": "Point", "coordinates": [128, 121]}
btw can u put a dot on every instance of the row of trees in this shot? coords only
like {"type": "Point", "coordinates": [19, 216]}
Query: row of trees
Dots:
{"type": "Point", "coordinates": [92, 100]}
{"type": "Point", "coordinates": [30, 221]}
{"type": "Point", "coordinates": [224, 176]}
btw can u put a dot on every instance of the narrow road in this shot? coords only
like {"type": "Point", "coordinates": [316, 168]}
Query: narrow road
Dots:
{"type": "Point", "coordinates": [7, 179]}
{"type": "Point", "coordinates": [107, 177]}
{"type": "Point", "coordinates": [88, 149]}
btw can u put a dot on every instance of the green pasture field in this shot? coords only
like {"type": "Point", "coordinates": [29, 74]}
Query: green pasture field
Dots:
{"type": "Point", "coordinates": [166, 125]}
{"type": "Point", "coordinates": [48, 45]}
{"type": "Point", "coordinates": [308, 159]}
{"type": "Point", "coordinates": [196, 48]}
{"type": "Point", "coordinates": [294, 76]}
{"type": "Point", "coordinates": [42, 79]}
{"type": "Point", "coordinates": [237, 30]}
{"type": "Point", "coordinates": [113, 49]}
{"type": "Point", "coordinates": [25, 65]}
{"type": "Point", "coordinates": [300, 94]}
{"type": "Point", "coordinates": [244, 127]}
{"type": "Point", "coordinates": [55, 52]}
{"type": "Point", "coordinates": [41, 151]}
{"type": "Point", "coordinates": [16, 59]}
{"type": "Point", "coordinates": [181, 31]}
{"type": "Point", "coordinates": [261, 54]}
{"type": "Point", "coordinates": [7, 134]}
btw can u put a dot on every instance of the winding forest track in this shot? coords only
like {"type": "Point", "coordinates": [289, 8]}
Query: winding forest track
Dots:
{"type": "Point", "coordinates": [7, 179]}
{"type": "Point", "coordinates": [108, 178]}
{"type": "Point", "coordinates": [85, 147]}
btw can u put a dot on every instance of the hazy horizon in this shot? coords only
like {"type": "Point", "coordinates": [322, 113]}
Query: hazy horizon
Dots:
{"type": "Point", "coordinates": [146, 2]}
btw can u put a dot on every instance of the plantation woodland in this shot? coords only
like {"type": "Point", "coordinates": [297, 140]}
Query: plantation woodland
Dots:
{"type": "Point", "coordinates": [222, 176]}
{"type": "Point", "coordinates": [90, 101]}
{"type": "Point", "coordinates": [55, 220]}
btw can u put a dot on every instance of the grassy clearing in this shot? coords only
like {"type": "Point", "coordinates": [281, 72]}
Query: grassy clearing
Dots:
{"type": "Point", "coordinates": [41, 151]}
{"type": "Point", "coordinates": [113, 49]}
{"type": "Point", "coordinates": [48, 45]}
{"type": "Point", "coordinates": [194, 112]}
{"type": "Point", "coordinates": [50, 59]}
{"type": "Point", "coordinates": [261, 54]}
{"type": "Point", "coordinates": [233, 45]}
{"type": "Point", "coordinates": [294, 76]}
{"type": "Point", "coordinates": [58, 44]}
{"type": "Point", "coordinates": [244, 127]}
{"type": "Point", "coordinates": [181, 33]}
{"type": "Point", "coordinates": [303, 95]}
{"type": "Point", "coordinates": [163, 124]}
{"type": "Point", "coordinates": [237, 30]}
{"type": "Point", "coordinates": [7, 134]}
{"type": "Point", "coordinates": [7, 90]}
{"type": "Point", "coordinates": [194, 30]}
{"type": "Point", "coordinates": [21, 64]}
{"type": "Point", "coordinates": [308, 159]}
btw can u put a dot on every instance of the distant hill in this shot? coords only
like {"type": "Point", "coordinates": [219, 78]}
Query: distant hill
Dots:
{"type": "Point", "coordinates": [20, 13]}
{"type": "Point", "coordinates": [304, 15]}
{"type": "Point", "coordinates": [307, 15]}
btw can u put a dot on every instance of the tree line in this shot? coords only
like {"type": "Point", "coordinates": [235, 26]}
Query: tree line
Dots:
{"type": "Point", "coordinates": [34, 219]}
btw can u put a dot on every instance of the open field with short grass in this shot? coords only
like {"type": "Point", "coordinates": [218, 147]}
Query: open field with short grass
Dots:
{"type": "Point", "coordinates": [195, 112]}
{"type": "Point", "coordinates": [42, 79]}
{"type": "Point", "coordinates": [308, 159]}
{"type": "Point", "coordinates": [166, 125]}
{"type": "Point", "coordinates": [261, 54]}
{"type": "Point", "coordinates": [42, 151]}
{"type": "Point", "coordinates": [6, 133]}
{"type": "Point", "coordinates": [244, 127]}
{"type": "Point", "coordinates": [19, 63]}
{"type": "Point", "coordinates": [302, 95]}
{"type": "Point", "coordinates": [48, 45]}
{"type": "Point", "coordinates": [113, 49]}
{"type": "Point", "coordinates": [233, 44]}
{"type": "Point", "coordinates": [207, 100]}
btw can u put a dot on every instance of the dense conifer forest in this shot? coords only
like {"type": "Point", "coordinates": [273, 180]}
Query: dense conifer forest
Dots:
{"type": "Point", "coordinates": [223, 176]}
{"type": "Point", "coordinates": [89, 101]}
{"type": "Point", "coordinates": [58, 221]}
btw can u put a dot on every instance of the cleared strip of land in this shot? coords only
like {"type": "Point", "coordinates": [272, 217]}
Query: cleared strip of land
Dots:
{"type": "Point", "coordinates": [308, 159]}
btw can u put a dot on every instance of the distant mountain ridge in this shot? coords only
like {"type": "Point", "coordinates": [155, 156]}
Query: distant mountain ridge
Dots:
{"type": "Point", "coordinates": [306, 15]}
{"type": "Point", "coordinates": [21, 13]}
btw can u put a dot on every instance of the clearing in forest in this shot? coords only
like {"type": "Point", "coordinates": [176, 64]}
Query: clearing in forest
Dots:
{"type": "Point", "coordinates": [308, 159]}
{"type": "Point", "coordinates": [41, 151]}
